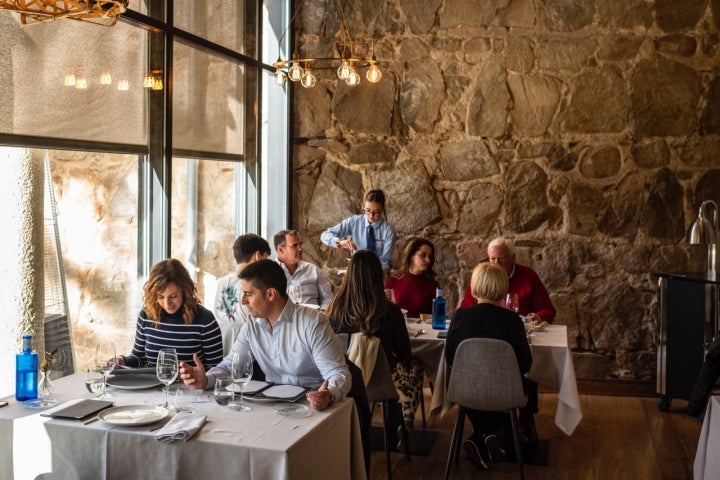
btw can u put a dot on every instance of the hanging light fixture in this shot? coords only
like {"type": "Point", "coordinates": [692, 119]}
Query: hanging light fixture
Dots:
{"type": "Point", "coordinates": [704, 230]}
{"type": "Point", "coordinates": [353, 55]}
{"type": "Point", "coordinates": [100, 12]}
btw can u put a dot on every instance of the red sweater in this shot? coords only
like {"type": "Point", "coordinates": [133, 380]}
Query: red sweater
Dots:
{"type": "Point", "coordinates": [531, 292]}
{"type": "Point", "coordinates": [414, 293]}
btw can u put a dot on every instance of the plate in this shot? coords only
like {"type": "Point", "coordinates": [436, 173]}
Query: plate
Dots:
{"type": "Point", "coordinates": [137, 381]}
{"type": "Point", "coordinates": [40, 403]}
{"type": "Point", "coordinates": [292, 410]}
{"type": "Point", "coordinates": [133, 415]}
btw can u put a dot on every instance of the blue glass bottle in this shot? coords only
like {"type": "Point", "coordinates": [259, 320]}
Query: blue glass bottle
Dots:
{"type": "Point", "coordinates": [26, 372]}
{"type": "Point", "coordinates": [438, 310]}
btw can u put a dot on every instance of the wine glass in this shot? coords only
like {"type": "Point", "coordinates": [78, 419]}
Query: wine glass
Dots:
{"type": "Point", "coordinates": [512, 303]}
{"type": "Point", "coordinates": [167, 369]}
{"type": "Point", "coordinates": [223, 394]}
{"type": "Point", "coordinates": [93, 381]}
{"type": "Point", "coordinates": [390, 294]}
{"type": "Point", "coordinates": [242, 370]}
{"type": "Point", "coordinates": [294, 291]}
{"type": "Point", "coordinates": [105, 364]}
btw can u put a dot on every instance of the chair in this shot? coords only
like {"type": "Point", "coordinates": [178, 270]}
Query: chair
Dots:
{"type": "Point", "coordinates": [485, 376]}
{"type": "Point", "coordinates": [381, 389]}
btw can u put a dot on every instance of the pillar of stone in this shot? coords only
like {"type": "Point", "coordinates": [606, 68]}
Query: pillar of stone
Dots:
{"type": "Point", "coordinates": [22, 296]}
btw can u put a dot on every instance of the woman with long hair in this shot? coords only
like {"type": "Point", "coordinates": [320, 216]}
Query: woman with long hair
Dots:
{"type": "Point", "coordinates": [414, 284]}
{"type": "Point", "coordinates": [172, 317]}
{"type": "Point", "coordinates": [360, 305]}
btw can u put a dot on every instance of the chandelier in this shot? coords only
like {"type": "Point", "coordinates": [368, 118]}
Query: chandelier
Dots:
{"type": "Point", "coordinates": [101, 12]}
{"type": "Point", "coordinates": [352, 56]}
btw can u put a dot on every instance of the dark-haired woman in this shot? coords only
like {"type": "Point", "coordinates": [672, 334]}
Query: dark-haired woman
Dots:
{"type": "Point", "coordinates": [360, 305]}
{"type": "Point", "coordinates": [414, 283]}
{"type": "Point", "coordinates": [172, 317]}
{"type": "Point", "coordinates": [366, 231]}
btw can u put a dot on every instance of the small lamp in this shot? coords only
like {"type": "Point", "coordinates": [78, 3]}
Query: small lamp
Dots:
{"type": "Point", "coordinates": [705, 231]}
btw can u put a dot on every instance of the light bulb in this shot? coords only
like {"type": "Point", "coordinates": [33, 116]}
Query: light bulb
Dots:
{"type": "Point", "coordinates": [70, 80]}
{"type": "Point", "coordinates": [343, 70]}
{"type": "Point", "coordinates": [373, 74]}
{"type": "Point", "coordinates": [105, 79]}
{"type": "Point", "coordinates": [280, 77]}
{"type": "Point", "coordinates": [123, 85]}
{"type": "Point", "coordinates": [81, 84]}
{"type": "Point", "coordinates": [353, 79]}
{"type": "Point", "coordinates": [148, 81]}
{"type": "Point", "coordinates": [296, 72]}
{"type": "Point", "coordinates": [157, 84]}
{"type": "Point", "coordinates": [308, 80]}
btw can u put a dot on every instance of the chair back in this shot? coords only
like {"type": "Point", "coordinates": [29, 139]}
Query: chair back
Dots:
{"type": "Point", "coordinates": [381, 386]}
{"type": "Point", "coordinates": [485, 376]}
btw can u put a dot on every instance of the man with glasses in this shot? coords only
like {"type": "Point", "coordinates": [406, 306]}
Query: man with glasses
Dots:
{"type": "Point", "coordinates": [534, 303]}
{"type": "Point", "coordinates": [314, 286]}
{"type": "Point", "coordinates": [366, 231]}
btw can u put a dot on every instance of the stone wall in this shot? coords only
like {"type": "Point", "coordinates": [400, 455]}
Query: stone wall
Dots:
{"type": "Point", "coordinates": [588, 131]}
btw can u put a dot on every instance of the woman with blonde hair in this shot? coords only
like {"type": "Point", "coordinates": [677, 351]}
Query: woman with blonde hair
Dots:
{"type": "Point", "coordinates": [172, 317]}
{"type": "Point", "coordinates": [487, 319]}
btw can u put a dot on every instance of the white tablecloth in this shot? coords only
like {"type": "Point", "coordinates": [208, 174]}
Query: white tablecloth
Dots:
{"type": "Point", "coordinates": [552, 366]}
{"type": "Point", "coordinates": [707, 457]}
{"type": "Point", "coordinates": [258, 444]}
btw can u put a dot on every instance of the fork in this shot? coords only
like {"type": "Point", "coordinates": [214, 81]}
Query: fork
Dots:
{"type": "Point", "coordinates": [419, 332]}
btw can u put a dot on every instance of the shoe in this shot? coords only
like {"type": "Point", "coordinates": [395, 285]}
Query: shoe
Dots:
{"type": "Point", "coordinates": [474, 455]}
{"type": "Point", "coordinates": [528, 433]}
{"type": "Point", "coordinates": [409, 427]}
{"type": "Point", "coordinates": [497, 454]}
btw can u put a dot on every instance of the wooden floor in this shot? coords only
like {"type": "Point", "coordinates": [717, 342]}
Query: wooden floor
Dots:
{"type": "Point", "coordinates": [618, 438]}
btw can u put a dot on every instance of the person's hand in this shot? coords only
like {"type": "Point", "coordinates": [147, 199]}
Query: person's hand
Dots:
{"type": "Point", "coordinates": [119, 360]}
{"type": "Point", "coordinates": [321, 399]}
{"type": "Point", "coordinates": [194, 376]}
{"type": "Point", "coordinates": [534, 317]}
{"type": "Point", "coordinates": [347, 244]}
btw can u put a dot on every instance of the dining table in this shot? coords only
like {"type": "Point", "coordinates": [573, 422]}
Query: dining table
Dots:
{"type": "Point", "coordinates": [707, 460]}
{"type": "Point", "coordinates": [269, 441]}
{"type": "Point", "coordinates": [552, 366]}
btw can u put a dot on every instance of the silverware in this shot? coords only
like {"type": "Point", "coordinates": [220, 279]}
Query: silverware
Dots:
{"type": "Point", "coordinates": [419, 332]}
{"type": "Point", "coordinates": [91, 420]}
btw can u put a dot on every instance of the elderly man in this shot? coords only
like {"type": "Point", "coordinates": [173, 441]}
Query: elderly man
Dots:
{"type": "Point", "coordinates": [228, 311]}
{"type": "Point", "coordinates": [306, 276]}
{"type": "Point", "coordinates": [534, 303]}
{"type": "Point", "coordinates": [293, 345]}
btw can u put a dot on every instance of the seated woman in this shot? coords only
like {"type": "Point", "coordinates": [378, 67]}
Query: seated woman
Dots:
{"type": "Point", "coordinates": [360, 305]}
{"type": "Point", "coordinates": [489, 283]}
{"type": "Point", "coordinates": [172, 317]}
{"type": "Point", "coordinates": [414, 283]}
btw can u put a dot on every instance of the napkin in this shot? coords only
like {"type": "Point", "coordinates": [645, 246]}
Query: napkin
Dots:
{"type": "Point", "coordinates": [181, 427]}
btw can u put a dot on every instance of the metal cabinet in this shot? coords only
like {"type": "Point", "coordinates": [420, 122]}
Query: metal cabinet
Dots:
{"type": "Point", "coordinates": [688, 322]}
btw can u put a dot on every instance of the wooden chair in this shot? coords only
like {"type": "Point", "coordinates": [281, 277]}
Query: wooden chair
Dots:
{"type": "Point", "coordinates": [485, 376]}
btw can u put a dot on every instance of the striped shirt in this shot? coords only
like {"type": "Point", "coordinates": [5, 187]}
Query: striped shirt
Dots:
{"type": "Point", "coordinates": [202, 336]}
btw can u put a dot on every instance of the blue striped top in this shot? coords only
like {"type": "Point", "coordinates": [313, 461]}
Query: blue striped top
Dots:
{"type": "Point", "coordinates": [202, 336]}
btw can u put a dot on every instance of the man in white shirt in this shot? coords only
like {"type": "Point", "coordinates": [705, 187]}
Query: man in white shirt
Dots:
{"type": "Point", "coordinates": [312, 282]}
{"type": "Point", "coordinates": [228, 310]}
{"type": "Point", "coordinates": [293, 345]}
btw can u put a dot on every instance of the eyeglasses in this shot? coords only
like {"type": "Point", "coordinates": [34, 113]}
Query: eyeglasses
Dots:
{"type": "Point", "coordinates": [373, 212]}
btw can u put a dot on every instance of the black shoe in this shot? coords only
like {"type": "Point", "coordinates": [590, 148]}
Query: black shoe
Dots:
{"type": "Point", "coordinates": [479, 459]}
{"type": "Point", "coordinates": [528, 433]}
{"type": "Point", "coordinates": [497, 454]}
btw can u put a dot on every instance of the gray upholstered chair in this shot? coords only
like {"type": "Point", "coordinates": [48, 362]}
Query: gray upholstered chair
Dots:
{"type": "Point", "coordinates": [485, 376]}
{"type": "Point", "coordinates": [381, 389]}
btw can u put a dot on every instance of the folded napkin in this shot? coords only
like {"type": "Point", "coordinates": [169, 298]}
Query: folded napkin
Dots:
{"type": "Point", "coordinates": [181, 427]}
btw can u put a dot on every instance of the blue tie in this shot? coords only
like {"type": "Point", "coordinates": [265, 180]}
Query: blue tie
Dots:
{"type": "Point", "coordinates": [370, 238]}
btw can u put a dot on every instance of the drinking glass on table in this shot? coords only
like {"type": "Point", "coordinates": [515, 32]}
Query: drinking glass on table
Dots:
{"type": "Point", "coordinates": [167, 370]}
{"type": "Point", "coordinates": [390, 294]}
{"type": "Point", "coordinates": [294, 291]}
{"type": "Point", "coordinates": [223, 394]}
{"type": "Point", "coordinates": [94, 381]}
{"type": "Point", "coordinates": [511, 302]}
{"type": "Point", "coordinates": [105, 364]}
{"type": "Point", "coordinates": [242, 370]}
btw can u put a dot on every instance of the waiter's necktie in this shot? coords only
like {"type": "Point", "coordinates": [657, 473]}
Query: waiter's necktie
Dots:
{"type": "Point", "coordinates": [370, 238]}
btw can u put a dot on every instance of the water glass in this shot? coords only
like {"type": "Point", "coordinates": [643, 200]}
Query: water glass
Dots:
{"type": "Point", "coordinates": [105, 363]}
{"type": "Point", "coordinates": [294, 291]}
{"type": "Point", "coordinates": [167, 369]}
{"type": "Point", "coordinates": [94, 381]}
{"type": "Point", "coordinates": [223, 391]}
{"type": "Point", "coordinates": [242, 370]}
{"type": "Point", "coordinates": [185, 397]}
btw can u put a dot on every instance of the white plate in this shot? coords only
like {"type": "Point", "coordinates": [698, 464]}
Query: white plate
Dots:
{"type": "Point", "coordinates": [295, 410]}
{"type": "Point", "coordinates": [133, 415]}
{"type": "Point", "coordinates": [137, 381]}
{"type": "Point", "coordinates": [40, 403]}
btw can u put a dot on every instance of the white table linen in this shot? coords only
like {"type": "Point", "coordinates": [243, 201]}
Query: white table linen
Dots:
{"type": "Point", "coordinates": [707, 460]}
{"type": "Point", "coordinates": [552, 366]}
{"type": "Point", "coordinates": [258, 444]}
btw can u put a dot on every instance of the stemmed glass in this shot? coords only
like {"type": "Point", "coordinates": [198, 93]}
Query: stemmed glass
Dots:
{"type": "Point", "coordinates": [294, 291]}
{"type": "Point", "coordinates": [242, 370]}
{"type": "Point", "coordinates": [512, 303]}
{"type": "Point", "coordinates": [167, 370]}
{"type": "Point", "coordinates": [105, 364]}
